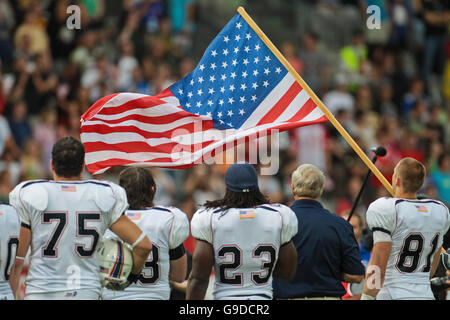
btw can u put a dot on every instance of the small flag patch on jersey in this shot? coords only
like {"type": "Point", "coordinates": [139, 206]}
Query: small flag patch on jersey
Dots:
{"type": "Point", "coordinates": [246, 214]}
{"type": "Point", "coordinates": [71, 294]}
{"type": "Point", "coordinates": [104, 270]}
{"type": "Point", "coordinates": [68, 188]}
{"type": "Point", "coordinates": [134, 216]}
{"type": "Point", "coordinates": [421, 208]}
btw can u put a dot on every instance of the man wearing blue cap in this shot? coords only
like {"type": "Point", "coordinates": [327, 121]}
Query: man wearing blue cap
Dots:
{"type": "Point", "coordinates": [245, 238]}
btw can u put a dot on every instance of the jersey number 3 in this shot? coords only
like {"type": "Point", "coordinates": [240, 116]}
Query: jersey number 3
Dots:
{"type": "Point", "coordinates": [236, 261]}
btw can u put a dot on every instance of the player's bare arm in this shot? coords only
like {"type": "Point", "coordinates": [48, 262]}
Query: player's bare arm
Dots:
{"type": "Point", "coordinates": [178, 269]}
{"type": "Point", "coordinates": [202, 263]}
{"type": "Point", "coordinates": [130, 233]}
{"type": "Point", "coordinates": [376, 269]}
{"type": "Point", "coordinates": [22, 250]}
{"type": "Point", "coordinates": [287, 262]}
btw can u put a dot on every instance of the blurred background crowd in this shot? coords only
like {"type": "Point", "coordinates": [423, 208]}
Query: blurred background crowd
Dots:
{"type": "Point", "coordinates": [388, 85]}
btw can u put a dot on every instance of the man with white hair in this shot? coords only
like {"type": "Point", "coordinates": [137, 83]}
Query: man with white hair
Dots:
{"type": "Point", "coordinates": [328, 252]}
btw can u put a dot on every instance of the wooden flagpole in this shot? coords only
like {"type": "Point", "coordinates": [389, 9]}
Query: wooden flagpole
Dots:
{"type": "Point", "coordinates": [316, 100]}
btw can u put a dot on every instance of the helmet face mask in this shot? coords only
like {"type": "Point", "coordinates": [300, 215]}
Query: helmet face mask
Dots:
{"type": "Point", "coordinates": [115, 261]}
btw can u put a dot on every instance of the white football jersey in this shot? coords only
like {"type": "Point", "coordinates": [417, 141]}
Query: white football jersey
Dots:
{"type": "Point", "coordinates": [66, 219]}
{"type": "Point", "coordinates": [416, 229]}
{"type": "Point", "coordinates": [167, 228]}
{"type": "Point", "coordinates": [246, 244]}
{"type": "Point", "coordinates": [9, 240]}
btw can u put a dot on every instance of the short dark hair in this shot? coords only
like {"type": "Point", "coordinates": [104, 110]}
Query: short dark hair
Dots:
{"type": "Point", "coordinates": [412, 173]}
{"type": "Point", "coordinates": [68, 157]}
{"type": "Point", "coordinates": [238, 200]}
{"type": "Point", "coordinates": [139, 185]}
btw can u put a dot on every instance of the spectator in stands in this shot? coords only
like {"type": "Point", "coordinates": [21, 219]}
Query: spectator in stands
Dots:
{"type": "Point", "coordinates": [441, 176]}
{"type": "Point", "coordinates": [19, 124]}
{"type": "Point", "coordinates": [436, 14]}
{"type": "Point", "coordinates": [290, 53]}
{"type": "Point", "coordinates": [315, 65]}
{"type": "Point", "coordinates": [31, 35]}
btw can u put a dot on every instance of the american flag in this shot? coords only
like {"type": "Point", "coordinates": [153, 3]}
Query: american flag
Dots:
{"type": "Point", "coordinates": [246, 214]}
{"type": "Point", "coordinates": [68, 188]}
{"type": "Point", "coordinates": [238, 89]}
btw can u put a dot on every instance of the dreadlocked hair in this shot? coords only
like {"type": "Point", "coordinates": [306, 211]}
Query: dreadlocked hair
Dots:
{"type": "Point", "coordinates": [238, 200]}
{"type": "Point", "coordinates": [139, 186]}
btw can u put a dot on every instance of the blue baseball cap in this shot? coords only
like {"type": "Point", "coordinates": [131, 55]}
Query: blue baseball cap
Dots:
{"type": "Point", "coordinates": [241, 177]}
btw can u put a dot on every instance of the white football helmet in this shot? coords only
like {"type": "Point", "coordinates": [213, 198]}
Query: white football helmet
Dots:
{"type": "Point", "coordinates": [115, 261]}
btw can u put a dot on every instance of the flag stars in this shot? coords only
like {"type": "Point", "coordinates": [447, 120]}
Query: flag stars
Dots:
{"type": "Point", "coordinates": [211, 91]}
{"type": "Point", "coordinates": [202, 67]}
{"type": "Point", "coordinates": [223, 77]}
{"type": "Point", "coordinates": [200, 80]}
{"type": "Point", "coordinates": [233, 75]}
{"type": "Point", "coordinates": [266, 71]}
{"type": "Point", "coordinates": [241, 112]}
{"type": "Point", "coordinates": [222, 89]}
{"type": "Point", "coordinates": [212, 78]}
{"type": "Point", "coordinates": [180, 92]}
{"type": "Point", "coordinates": [242, 99]}
{"type": "Point", "coordinates": [209, 114]}
{"type": "Point", "coordinates": [248, 36]}
{"type": "Point", "coordinates": [214, 53]}
{"type": "Point", "coordinates": [247, 49]}
{"type": "Point", "coordinates": [225, 52]}
{"type": "Point", "coordinates": [226, 39]}
{"type": "Point", "coordinates": [224, 64]}
{"type": "Point", "coordinates": [190, 94]}
{"type": "Point", "coordinates": [221, 102]}
{"type": "Point", "coordinates": [210, 103]}
{"type": "Point", "coordinates": [230, 124]}
{"type": "Point", "coordinates": [244, 74]}
{"type": "Point", "coordinates": [199, 92]}
{"type": "Point", "coordinates": [230, 100]}
{"type": "Point", "coordinates": [236, 50]}
{"type": "Point", "coordinates": [237, 38]}
{"type": "Point", "coordinates": [232, 88]}
{"type": "Point", "coordinates": [234, 63]}
{"type": "Point", "coordinates": [266, 83]}
{"type": "Point", "coordinates": [219, 114]}
{"type": "Point", "coordinates": [257, 47]}
{"type": "Point", "coordinates": [267, 59]}
{"type": "Point", "coordinates": [253, 98]}
{"type": "Point", "coordinates": [230, 113]}
{"type": "Point", "coordinates": [213, 66]}
{"type": "Point", "coordinates": [238, 25]}
{"type": "Point", "coordinates": [191, 82]}
{"type": "Point", "coordinates": [255, 72]}
{"type": "Point", "coordinates": [243, 86]}
{"type": "Point", "coordinates": [245, 61]}
{"type": "Point", "coordinates": [254, 85]}
{"type": "Point", "coordinates": [199, 104]}
{"type": "Point", "coordinates": [278, 70]}
{"type": "Point", "coordinates": [256, 60]}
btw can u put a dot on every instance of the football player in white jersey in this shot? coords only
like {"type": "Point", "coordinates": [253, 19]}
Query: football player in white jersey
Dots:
{"type": "Point", "coordinates": [407, 235]}
{"type": "Point", "coordinates": [167, 228]}
{"type": "Point", "coordinates": [9, 240]}
{"type": "Point", "coordinates": [62, 221]}
{"type": "Point", "coordinates": [245, 239]}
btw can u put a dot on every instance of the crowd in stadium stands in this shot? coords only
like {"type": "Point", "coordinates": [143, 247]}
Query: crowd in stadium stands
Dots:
{"type": "Point", "coordinates": [388, 86]}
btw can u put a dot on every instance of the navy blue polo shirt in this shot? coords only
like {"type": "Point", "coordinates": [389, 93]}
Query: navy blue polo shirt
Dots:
{"type": "Point", "coordinates": [326, 248]}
